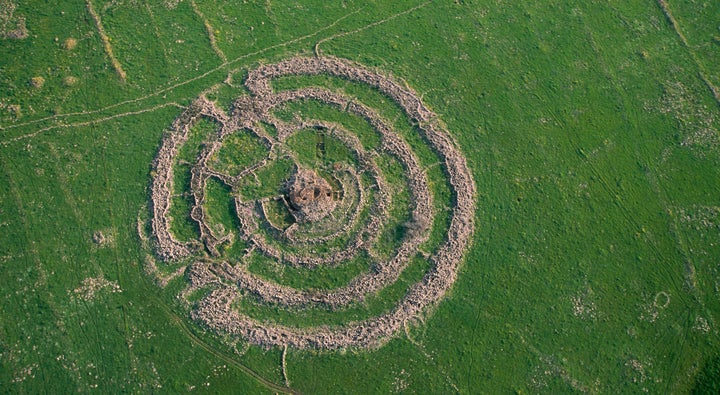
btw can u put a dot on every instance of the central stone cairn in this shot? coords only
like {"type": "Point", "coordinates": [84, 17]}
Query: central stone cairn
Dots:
{"type": "Point", "coordinates": [310, 196]}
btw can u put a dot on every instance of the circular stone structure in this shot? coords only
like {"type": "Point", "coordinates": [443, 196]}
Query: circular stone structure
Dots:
{"type": "Point", "coordinates": [310, 196]}
{"type": "Point", "coordinates": [336, 217]}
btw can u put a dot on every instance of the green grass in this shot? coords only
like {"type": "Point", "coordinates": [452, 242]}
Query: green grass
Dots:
{"type": "Point", "coordinates": [279, 214]}
{"type": "Point", "coordinates": [269, 182]}
{"type": "Point", "coordinates": [238, 152]}
{"type": "Point", "coordinates": [317, 278]}
{"type": "Point", "coordinates": [399, 211]}
{"type": "Point", "coordinates": [220, 207]}
{"type": "Point", "coordinates": [182, 225]}
{"type": "Point", "coordinates": [589, 130]}
{"type": "Point", "coordinates": [364, 132]}
{"type": "Point", "coordinates": [316, 149]}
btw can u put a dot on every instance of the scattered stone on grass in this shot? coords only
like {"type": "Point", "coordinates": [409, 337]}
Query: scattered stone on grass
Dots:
{"type": "Point", "coordinates": [69, 81]}
{"type": "Point", "coordinates": [92, 285]}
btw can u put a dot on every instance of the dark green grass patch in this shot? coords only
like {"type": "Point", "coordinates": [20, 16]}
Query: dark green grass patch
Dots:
{"type": "Point", "coordinates": [315, 148]}
{"type": "Point", "coordinates": [268, 180]}
{"type": "Point", "coordinates": [239, 151]}
{"type": "Point", "coordinates": [182, 225]}
{"type": "Point", "coordinates": [312, 109]}
{"type": "Point", "coordinates": [301, 278]}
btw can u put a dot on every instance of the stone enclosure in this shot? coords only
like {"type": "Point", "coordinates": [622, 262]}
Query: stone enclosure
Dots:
{"type": "Point", "coordinates": [348, 201]}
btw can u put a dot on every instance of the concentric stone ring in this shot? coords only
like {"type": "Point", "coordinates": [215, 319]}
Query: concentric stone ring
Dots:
{"type": "Point", "coordinates": [334, 211]}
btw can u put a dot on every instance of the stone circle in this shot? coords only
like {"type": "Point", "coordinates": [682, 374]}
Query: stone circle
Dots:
{"type": "Point", "coordinates": [338, 211]}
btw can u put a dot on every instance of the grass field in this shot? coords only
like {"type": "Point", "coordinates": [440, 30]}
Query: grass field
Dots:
{"type": "Point", "coordinates": [592, 131]}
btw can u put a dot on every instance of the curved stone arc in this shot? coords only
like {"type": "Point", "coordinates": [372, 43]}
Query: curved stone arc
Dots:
{"type": "Point", "coordinates": [248, 227]}
{"type": "Point", "coordinates": [357, 290]}
{"type": "Point", "coordinates": [166, 245]}
{"type": "Point", "coordinates": [216, 312]}
{"type": "Point", "coordinates": [266, 217]}
{"type": "Point", "coordinates": [391, 142]}
{"type": "Point", "coordinates": [258, 80]}
{"type": "Point", "coordinates": [379, 208]}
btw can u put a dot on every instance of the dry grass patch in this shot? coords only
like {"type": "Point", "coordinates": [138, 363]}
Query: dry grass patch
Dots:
{"type": "Point", "coordinates": [70, 44]}
{"type": "Point", "coordinates": [14, 110]}
{"type": "Point", "coordinates": [37, 82]}
{"type": "Point", "coordinates": [103, 238]}
{"type": "Point", "coordinates": [70, 81]}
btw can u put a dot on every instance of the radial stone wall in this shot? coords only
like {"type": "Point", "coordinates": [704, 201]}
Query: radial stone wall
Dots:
{"type": "Point", "coordinates": [329, 204]}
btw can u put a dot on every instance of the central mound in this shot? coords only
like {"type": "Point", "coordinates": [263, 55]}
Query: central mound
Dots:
{"type": "Point", "coordinates": [310, 196]}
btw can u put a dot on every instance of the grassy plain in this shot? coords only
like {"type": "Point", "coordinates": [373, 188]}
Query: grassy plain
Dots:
{"type": "Point", "coordinates": [591, 130]}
